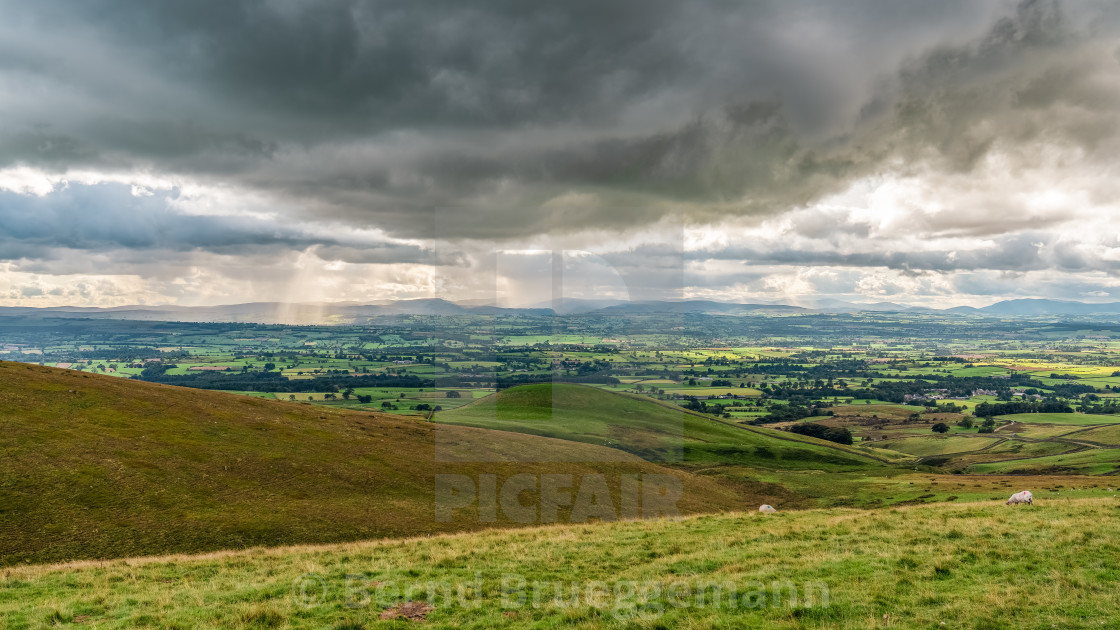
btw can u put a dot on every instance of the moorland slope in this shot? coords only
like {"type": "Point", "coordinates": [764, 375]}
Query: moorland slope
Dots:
{"type": "Point", "coordinates": [99, 467]}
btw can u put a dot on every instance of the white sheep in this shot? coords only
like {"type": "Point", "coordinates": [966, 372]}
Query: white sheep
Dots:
{"type": "Point", "coordinates": [1021, 497]}
{"type": "Point", "coordinates": [766, 509]}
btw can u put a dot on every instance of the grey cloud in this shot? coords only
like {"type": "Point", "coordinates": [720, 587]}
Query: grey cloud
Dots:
{"type": "Point", "coordinates": [109, 216]}
{"type": "Point", "coordinates": [499, 120]}
{"type": "Point", "coordinates": [389, 253]}
{"type": "Point", "coordinates": [939, 117]}
{"type": "Point", "coordinates": [110, 219]}
{"type": "Point", "coordinates": [478, 115]}
{"type": "Point", "coordinates": [388, 64]}
{"type": "Point", "coordinates": [1021, 252]}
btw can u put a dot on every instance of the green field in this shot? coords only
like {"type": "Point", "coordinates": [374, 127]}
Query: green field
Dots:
{"type": "Point", "coordinates": [1074, 419]}
{"type": "Point", "coordinates": [1091, 462]}
{"type": "Point", "coordinates": [1040, 430]}
{"type": "Point", "coordinates": [653, 431]}
{"type": "Point", "coordinates": [1105, 435]}
{"type": "Point", "coordinates": [934, 445]}
{"type": "Point", "coordinates": [1008, 451]}
{"type": "Point", "coordinates": [970, 565]}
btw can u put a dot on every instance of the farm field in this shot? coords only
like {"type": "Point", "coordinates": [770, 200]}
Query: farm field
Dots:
{"type": "Point", "coordinates": [935, 445]}
{"type": "Point", "coordinates": [1042, 430]}
{"type": "Point", "coordinates": [1072, 419]}
{"type": "Point", "coordinates": [883, 395]}
{"type": "Point", "coordinates": [1107, 434]}
{"type": "Point", "coordinates": [1089, 462]}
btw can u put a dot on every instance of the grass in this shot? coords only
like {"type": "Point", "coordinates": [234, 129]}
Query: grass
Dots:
{"type": "Point", "coordinates": [1038, 430]}
{"type": "Point", "coordinates": [101, 467]}
{"type": "Point", "coordinates": [1105, 435]}
{"type": "Point", "coordinates": [651, 430]}
{"type": "Point", "coordinates": [978, 371]}
{"type": "Point", "coordinates": [897, 487]}
{"type": "Point", "coordinates": [883, 410]}
{"type": "Point", "coordinates": [1091, 462]}
{"type": "Point", "coordinates": [934, 445]}
{"type": "Point", "coordinates": [1076, 419]}
{"type": "Point", "coordinates": [968, 565]}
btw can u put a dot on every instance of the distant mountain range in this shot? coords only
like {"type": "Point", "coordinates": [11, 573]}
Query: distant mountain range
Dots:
{"type": "Point", "coordinates": [1041, 307]}
{"type": "Point", "coordinates": [347, 313]}
{"type": "Point", "coordinates": [269, 312]}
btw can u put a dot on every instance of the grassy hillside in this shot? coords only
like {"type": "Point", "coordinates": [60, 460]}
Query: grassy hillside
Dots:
{"type": "Point", "coordinates": [96, 466]}
{"type": "Point", "coordinates": [978, 565]}
{"type": "Point", "coordinates": [653, 431]}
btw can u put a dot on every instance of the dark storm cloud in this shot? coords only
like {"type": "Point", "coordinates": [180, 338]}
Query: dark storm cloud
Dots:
{"type": "Point", "coordinates": [375, 65]}
{"type": "Point", "coordinates": [476, 119]}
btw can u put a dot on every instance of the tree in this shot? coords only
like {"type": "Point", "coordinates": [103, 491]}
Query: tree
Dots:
{"type": "Point", "coordinates": [268, 367]}
{"type": "Point", "coordinates": [940, 427]}
{"type": "Point", "coordinates": [454, 394]}
{"type": "Point", "coordinates": [839, 435]}
{"type": "Point", "coordinates": [965, 423]}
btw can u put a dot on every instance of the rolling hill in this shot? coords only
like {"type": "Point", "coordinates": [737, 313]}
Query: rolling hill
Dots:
{"type": "Point", "coordinates": [654, 431]}
{"type": "Point", "coordinates": [99, 467]}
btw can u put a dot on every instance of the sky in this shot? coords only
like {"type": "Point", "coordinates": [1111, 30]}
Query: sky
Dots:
{"type": "Point", "coordinates": [201, 152]}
